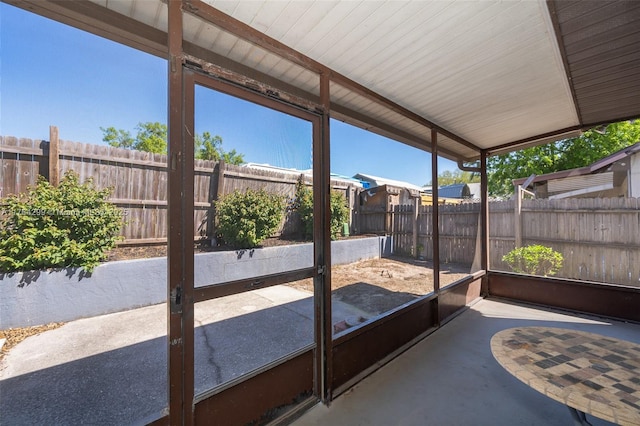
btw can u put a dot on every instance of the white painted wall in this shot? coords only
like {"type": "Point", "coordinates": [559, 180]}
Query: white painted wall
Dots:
{"type": "Point", "coordinates": [40, 297]}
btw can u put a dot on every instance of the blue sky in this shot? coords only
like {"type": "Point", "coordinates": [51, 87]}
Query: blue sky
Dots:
{"type": "Point", "coordinates": [52, 74]}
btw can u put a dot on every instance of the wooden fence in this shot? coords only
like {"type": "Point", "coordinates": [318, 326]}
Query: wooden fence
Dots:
{"type": "Point", "coordinates": [598, 238]}
{"type": "Point", "coordinates": [139, 182]}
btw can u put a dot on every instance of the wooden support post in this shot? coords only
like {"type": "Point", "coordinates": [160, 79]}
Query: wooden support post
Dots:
{"type": "Point", "coordinates": [434, 212]}
{"type": "Point", "coordinates": [322, 247]}
{"type": "Point", "coordinates": [54, 156]}
{"type": "Point", "coordinates": [180, 205]}
{"type": "Point", "coordinates": [484, 221]}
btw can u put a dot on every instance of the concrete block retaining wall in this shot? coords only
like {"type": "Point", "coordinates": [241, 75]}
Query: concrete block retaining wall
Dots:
{"type": "Point", "coordinates": [40, 297]}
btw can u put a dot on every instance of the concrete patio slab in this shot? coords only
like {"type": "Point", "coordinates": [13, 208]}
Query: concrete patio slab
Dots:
{"type": "Point", "coordinates": [451, 377]}
{"type": "Point", "coordinates": [112, 369]}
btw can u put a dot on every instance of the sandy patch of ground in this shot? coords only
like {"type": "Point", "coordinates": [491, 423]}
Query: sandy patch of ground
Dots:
{"type": "Point", "coordinates": [378, 285]}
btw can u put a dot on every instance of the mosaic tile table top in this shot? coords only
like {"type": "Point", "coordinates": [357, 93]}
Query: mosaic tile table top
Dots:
{"type": "Point", "coordinates": [594, 374]}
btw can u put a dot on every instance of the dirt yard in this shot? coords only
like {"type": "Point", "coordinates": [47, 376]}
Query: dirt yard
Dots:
{"type": "Point", "coordinates": [374, 286]}
{"type": "Point", "coordinates": [378, 285]}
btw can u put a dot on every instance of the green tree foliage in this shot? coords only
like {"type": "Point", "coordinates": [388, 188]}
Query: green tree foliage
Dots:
{"type": "Point", "coordinates": [566, 154]}
{"type": "Point", "coordinates": [449, 177]}
{"type": "Point", "coordinates": [303, 204]}
{"type": "Point", "coordinates": [152, 137]}
{"type": "Point", "coordinates": [534, 260]}
{"type": "Point", "coordinates": [71, 225]}
{"type": "Point", "coordinates": [209, 147]}
{"type": "Point", "coordinates": [245, 219]}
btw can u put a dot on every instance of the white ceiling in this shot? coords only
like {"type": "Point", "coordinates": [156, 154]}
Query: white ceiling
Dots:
{"type": "Point", "coordinates": [490, 72]}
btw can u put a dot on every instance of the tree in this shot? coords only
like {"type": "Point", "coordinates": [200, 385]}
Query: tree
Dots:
{"type": "Point", "coordinates": [449, 177]}
{"type": "Point", "coordinates": [565, 154]}
{"type": "Point", "coordinates": [209, 147]}
{"type": "Point", "coordinates": [152, 137]}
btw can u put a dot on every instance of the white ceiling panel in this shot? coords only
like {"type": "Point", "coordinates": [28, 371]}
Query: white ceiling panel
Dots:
{"type": "Point", "coordinates": [481, 69]}
{"type": "Point", "coordinates": [491, 72]}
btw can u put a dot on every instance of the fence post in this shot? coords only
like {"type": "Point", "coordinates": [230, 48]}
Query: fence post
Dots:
{"type": "Point", "coordinates": [54, 156]}
{"type": "Point", "coordinates": [350, 198]}
{"type": "Point", "coordinates": [220, 188]}
{"type": "Point", "coordinates": [518, 216]}
{"type": "Point", "coordinates": [416, 208]}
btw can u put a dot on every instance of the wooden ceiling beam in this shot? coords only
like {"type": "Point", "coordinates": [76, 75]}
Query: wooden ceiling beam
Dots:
{"type": "Point", "coordinates": [93, 18]}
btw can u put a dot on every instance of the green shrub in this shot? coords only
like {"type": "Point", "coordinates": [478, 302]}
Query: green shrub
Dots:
{"type": "Point", "coordinates": [47, 227]}
{"type": "Point", "coordinates": [245, 219]}
{"type": "Point", "coordinates": [534, 260]}
{"type": "Point", "coordinates": [304, 206]}
{"type": "Point", "coordinates": [339, 213]}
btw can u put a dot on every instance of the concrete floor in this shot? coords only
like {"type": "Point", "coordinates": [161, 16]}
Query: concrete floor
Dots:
{"type": "Point", "coordinates": [112, 369]}
{"type": "Point", "coordinates": [451, 378]}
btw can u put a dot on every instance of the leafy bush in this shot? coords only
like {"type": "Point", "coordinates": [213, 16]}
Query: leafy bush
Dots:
{"type": "Point", "coordinates": [245, 219]}
{"type": "Point", "coordinates": [339, 213]}
{"type": "Point", "coordinates": [304, 206]}
{"type": "Point", "coordinates": [534, 260]}
{"type": "Point", "coordinates": [47, 227]}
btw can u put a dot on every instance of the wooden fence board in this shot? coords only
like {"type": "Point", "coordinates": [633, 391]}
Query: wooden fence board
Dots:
{"type": "Point", "coordinates": [10, 182]}
{"type": "Point", "coordinates": [599, 238]}
{"type": "Point", "coordinates": [139, 182]}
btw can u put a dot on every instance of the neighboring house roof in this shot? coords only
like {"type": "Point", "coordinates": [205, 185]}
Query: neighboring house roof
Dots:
{"type": "Point", "coordinates": [308, 172]}
{"type": "Point", "coordinates": [379, 181]}
{"type": "Point", "coordinates": [597, 179]}
{"type": "Point", "coordinates": [596, 167]}
{"type": "Point", "coordinates": [457, 190]}
{"type": "Point", "coordinates": [270, 168]}
{"type": "Point", "coordinates": [476, 190]}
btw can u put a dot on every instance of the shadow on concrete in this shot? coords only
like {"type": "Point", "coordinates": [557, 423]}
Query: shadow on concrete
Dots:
{"type": "Point", "coordinates": [128, 385]}
{"type": "Point", "coordinates": [371, 298]}
{"type": "Point", "coordinates": [112, 369]}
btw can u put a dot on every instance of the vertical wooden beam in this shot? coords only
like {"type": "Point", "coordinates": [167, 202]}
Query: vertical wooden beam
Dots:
{"type": "Point", "coordinates": [435, 210]}
{"type": "Point", "coordinates": [322, 247]}
{"type": "Point", "coordinates": [484, 220]}
{"type": "Point", "coordinates": [54, 156]}
{"type": "Point", "coordinates": [180, 233]}
{"type": "Point", "coordinates": [435, 224]}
